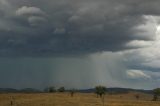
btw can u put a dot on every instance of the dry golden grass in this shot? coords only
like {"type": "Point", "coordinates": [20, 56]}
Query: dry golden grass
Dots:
{"type": "Point", "coordinates": [79, 99]}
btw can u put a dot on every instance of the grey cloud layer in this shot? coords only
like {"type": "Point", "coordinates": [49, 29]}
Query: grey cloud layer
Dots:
{"type": "Point", "coordinates": [52, 27]}
{"type": "Point", "coordinates": [46, 28]}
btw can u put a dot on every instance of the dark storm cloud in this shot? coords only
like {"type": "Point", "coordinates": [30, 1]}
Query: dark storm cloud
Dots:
{"type": "Point", "coordinates": [58, 27]}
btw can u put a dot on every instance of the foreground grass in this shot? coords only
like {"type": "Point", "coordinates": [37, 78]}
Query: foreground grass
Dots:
{"type": "Point", "coordinates": [79, 99]}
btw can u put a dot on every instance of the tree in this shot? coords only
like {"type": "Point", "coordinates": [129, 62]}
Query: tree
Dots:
{"type": "Point", "coordinates": [72, 92]}
{"type": "Point", "coordinates": [100, 91]}
{"type": "Point", "coordinates": [61, 89]}
{"type": "Point", "coordinates": [50, 89]}
{"type": "Point", "coordinates": [156, 93]}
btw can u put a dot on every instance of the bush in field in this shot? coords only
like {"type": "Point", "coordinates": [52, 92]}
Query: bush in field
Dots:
{"type": "Point", "coordinates": [50, 89]}
{"type": "Point", "coordinates": [156, 94]}
{"type": "Point", "coordinates": [61, 89]}
{"type": "Point", "coordinates": [137, 96]}
{"type": "Point", "coordinates": [12, 102]}
{"type": "Point", "coordinates": [100, 91]}
{"type": "Point", "coordinates": [72, 92]}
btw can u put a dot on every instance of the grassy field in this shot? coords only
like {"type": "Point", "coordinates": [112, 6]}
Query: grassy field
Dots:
{"type": "Point", "coordinates": [79, 99]}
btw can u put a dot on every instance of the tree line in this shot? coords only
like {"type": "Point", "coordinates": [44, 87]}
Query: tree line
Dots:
{"type": "Point", "coordinates": [100, 91]}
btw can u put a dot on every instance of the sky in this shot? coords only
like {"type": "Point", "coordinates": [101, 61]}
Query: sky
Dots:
{"type": "Point", "coordinates": [79, 43]}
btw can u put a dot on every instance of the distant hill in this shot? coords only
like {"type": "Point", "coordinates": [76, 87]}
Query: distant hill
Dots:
{"type": "Point", "coordinates": [126, 90]}
{"type": "Point", "coordinates": [8, 90]}
{"type": "Point", "coordinates": [117, 90]}
{"type": "Point", "coordinates": [109, 90]}
{"type": "Point", "coordinates": [30, 90]}
{"type": "Point", "coordinates": [25, 90]}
